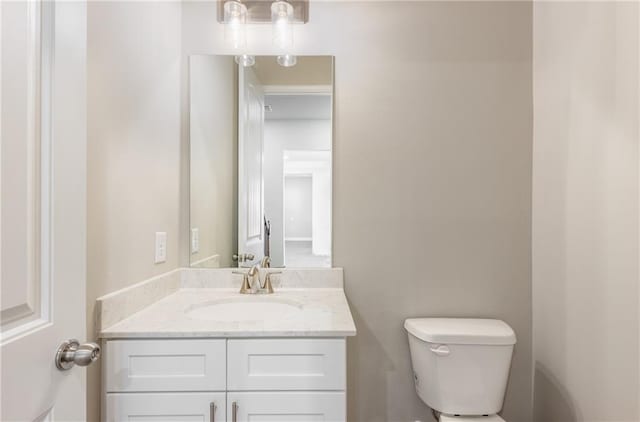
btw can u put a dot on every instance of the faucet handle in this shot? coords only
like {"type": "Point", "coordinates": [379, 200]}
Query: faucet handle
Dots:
{"type": "Point", "coordinates": [246, 287]}
{"type": "Point", "coordinates": [267, 281]}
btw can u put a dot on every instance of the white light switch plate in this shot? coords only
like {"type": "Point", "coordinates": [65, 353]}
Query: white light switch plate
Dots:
{"type": "Point", "coordinates": [195, 240]}
{"type": "Point", "coordinates": [161, 247]}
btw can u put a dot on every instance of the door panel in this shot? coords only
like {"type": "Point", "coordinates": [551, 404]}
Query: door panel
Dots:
{"type": "Point", "coordinates": [250, 180]}
{"type": "Point", "coordinates": [43, 184]}
{"type": "Point", "coordinates": [20, 170]}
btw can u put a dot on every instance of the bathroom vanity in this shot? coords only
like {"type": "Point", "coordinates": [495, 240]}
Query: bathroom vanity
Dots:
{"type": "Point", "coordinates": [206, 352]}
{"type": "Point", "coordinates": [188, 346]}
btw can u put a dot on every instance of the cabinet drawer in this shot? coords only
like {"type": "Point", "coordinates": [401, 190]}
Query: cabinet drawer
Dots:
{"type": "Point", "coordinates": [299, 406]}
{"type": "Point", "coordinates": [286, 364]}
{"type": "Point", "coordinates": [156, 407]}
{"type": "Point", "coordinates": [165, 365]}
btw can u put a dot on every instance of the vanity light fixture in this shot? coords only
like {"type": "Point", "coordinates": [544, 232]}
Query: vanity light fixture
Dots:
{"type": "Point", "coordinates": [282, 28]}
{"type": "Point", "coordinates": [235, 19]}
{"type": "Point", "coordinates": [235, 30]}
{"type": "Point", "coordinates": [281, 14]}
{"type": "Point", "coordinates": [282, 24]}
{"type": "Point", "coordinates": [259, 11]}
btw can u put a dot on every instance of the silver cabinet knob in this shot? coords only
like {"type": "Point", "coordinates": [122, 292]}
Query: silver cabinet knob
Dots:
{"type": "Point", "coordinates": [71, 353]}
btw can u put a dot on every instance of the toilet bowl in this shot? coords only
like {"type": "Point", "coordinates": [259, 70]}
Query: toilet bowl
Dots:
{"type": "Point", "coordinates": [461, 366]}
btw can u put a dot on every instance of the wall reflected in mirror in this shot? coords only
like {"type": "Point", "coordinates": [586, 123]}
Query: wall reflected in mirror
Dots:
{"type": "Point", "coordinates": [260, 140]}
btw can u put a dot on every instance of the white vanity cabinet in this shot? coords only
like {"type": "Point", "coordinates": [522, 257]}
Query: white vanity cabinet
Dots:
{"type": "Point", "coordinates": [242, 379]}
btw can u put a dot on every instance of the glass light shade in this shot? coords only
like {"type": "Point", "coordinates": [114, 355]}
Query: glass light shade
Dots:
{"type": "Point", "coordinates": [282, 24]}
{"type": "Point", "coordinates": [245, 60]}
{"type": "Point", "coordinates": [235, 19]}
{"type": "Point", "coordinates": [287, 60]}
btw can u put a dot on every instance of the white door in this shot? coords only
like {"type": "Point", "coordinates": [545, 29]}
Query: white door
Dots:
{"type": "Point", "coordinates": [42, 225]}
{"type": "Point", "coordinates": [250, 180]}
{"type": "Point", "coordinates": [296, 406]}
{"type": "Point", "coordinates": [166, 407]}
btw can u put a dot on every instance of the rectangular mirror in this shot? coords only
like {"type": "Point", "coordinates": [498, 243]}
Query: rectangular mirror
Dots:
{"type": "Point", "coordinates": [260, 162]}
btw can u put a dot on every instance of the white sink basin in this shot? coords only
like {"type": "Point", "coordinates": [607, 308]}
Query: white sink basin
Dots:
{"type": "Point", "coordinates": [251, 308]}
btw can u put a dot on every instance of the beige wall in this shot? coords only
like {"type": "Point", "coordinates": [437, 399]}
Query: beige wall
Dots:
{"type": "Point", "coordinates": [133, 147]}
{"type": "Point", "coordinates": [432, 162]}
{"type": "Point", "coordinates": [307, 71]}
{"type": "Point", "coordinates": [432, 175]}
{"type": "Point", "coordinates": [585, 212]}
{"type": "Point", "coordinates": [213, 156]}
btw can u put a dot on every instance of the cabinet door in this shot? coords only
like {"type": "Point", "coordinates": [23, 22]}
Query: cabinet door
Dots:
{"type": "Point", "coordinates": [297, 406]}
{"type": "Point", "coordinates": [165, 407]}
{"type": "Point", "coordinates": [286, 364]}
{"type": "Point", "coordinates": [165, 365]}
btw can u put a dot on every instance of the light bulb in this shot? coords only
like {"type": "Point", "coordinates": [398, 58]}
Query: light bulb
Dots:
{"type": "Point", "coordinates": [287, 60]}
{"type": "Point", "coordinates": [282, 24]}
{"type": "Point", "coordinates": [245, 60]}
{"type": "Point", "coordinates": [235, 19]}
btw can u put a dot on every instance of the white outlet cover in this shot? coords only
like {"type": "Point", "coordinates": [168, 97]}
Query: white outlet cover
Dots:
{"type": "Point", "coordinates": [161, 247]}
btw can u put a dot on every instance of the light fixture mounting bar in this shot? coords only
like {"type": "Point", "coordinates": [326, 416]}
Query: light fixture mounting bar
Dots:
{"type": "Point", "coordinates": [259, 11]}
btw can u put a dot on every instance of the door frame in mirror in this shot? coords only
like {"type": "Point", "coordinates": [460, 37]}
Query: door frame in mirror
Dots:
{"type": "Point", "coordinates": [273, 90]}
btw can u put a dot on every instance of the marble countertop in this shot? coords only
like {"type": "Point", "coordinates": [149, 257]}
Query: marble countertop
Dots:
{"type": "Point", "coordinates": [306, 312]}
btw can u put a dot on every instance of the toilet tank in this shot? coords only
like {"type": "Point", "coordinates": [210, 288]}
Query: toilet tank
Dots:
{"type": "Point", "coordinates": [461, 366]}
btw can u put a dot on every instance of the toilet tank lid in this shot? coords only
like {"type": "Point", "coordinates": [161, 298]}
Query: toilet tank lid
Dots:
{"type": "Point", "coordinates": [461, 331]}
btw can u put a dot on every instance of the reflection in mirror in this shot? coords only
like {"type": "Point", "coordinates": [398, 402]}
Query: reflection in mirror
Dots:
{"type": "Point", "coordinates": [261, 141]}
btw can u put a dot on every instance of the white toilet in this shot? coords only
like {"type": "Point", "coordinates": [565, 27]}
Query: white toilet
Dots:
{"type": "Point", "coordinates": [461, 366]}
